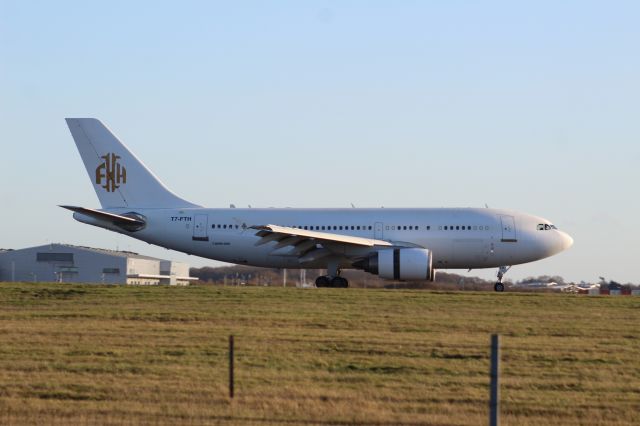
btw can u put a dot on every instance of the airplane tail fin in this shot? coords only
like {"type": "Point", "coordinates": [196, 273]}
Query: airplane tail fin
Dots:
{"type": "Point", "coordinates": [118, 177]}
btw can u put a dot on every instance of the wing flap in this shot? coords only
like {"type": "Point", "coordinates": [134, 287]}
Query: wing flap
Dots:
{"type": "Point", "coordinates": [314, 255]}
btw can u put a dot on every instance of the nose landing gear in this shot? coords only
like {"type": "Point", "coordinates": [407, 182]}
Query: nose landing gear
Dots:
{"type": "Point", "coordinates": [498, 286]}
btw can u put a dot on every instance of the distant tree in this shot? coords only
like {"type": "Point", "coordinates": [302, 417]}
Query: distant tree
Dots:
{"type": "Point", "coordinates": [543, 279]}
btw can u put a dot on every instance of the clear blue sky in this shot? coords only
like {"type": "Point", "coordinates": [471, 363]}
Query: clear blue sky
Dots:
{"type": "Point", "coordinates": [526, 105]}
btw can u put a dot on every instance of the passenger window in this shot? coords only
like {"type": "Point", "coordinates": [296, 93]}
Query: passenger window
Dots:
{"type": "Point", "coordinates": [428, 228]}
{"type": "Point", "coordinates": [457, 228]}
{"type": "Point", "coordinates": [358, 228]}
{"type": "Point", "coordinates": [445, 227]}
{"type": "Point", "coordinates": [370, 228]}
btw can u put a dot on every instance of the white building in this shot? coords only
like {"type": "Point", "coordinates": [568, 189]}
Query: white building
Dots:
{"type": "Point", "coordinates": [67, 263]}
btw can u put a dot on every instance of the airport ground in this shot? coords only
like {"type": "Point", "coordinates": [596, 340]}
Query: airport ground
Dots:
{"type": "Point", "coordinates": [86, 354]}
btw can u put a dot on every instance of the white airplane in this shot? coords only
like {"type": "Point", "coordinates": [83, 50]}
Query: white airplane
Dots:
{"type": "Point", "coordinates": [396, 244]}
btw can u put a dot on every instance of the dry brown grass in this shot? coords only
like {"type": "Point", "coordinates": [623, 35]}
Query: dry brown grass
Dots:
{"type": "Point", "coordinates": [72, 354]}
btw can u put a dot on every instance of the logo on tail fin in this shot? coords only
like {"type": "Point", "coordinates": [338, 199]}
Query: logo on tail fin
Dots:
{"type": "Point", "coordinates": [111, 172]}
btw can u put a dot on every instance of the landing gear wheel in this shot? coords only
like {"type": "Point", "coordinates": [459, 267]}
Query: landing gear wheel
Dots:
{"type": "Point", "coordinates": [499, 287]}
{"type": "Point", "coordinates": [339, 282]}
{"type": "Point", "coordinates": [323, 281]}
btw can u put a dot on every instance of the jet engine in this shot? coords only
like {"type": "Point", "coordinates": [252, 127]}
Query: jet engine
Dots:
{"type": "Point", "coordinates": [406, 264]}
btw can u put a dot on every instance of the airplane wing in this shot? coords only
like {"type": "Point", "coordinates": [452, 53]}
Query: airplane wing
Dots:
{"type": "Point", "coordinates": [309, 245]}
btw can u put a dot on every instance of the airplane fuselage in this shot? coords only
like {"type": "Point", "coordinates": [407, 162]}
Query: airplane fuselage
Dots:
{"type": "Point", "coordinates": [458, 237]}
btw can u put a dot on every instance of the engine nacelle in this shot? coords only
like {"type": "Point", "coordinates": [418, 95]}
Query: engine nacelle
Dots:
{"type": "Point", "coordinates": [406, 264]}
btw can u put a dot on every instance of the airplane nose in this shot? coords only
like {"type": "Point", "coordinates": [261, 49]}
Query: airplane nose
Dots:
{"type": "Point", "coordinates": [566, 240]}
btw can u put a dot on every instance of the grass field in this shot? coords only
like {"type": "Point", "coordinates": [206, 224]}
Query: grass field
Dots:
{"type": "Point", "coordinates": [85, 354]}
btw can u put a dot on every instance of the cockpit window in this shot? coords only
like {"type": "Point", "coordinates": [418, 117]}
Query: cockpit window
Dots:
{"type": "Point", "coordinates": [545, 226]}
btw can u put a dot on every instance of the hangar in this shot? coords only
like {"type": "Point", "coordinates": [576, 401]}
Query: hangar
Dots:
{"type": "Point", "coordinates": [68, 263]}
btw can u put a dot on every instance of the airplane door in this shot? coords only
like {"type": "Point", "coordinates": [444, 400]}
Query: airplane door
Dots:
{"type": "Point", "coordinates": [200, 228]}
{"type": "Point", "coordinates": [508, 229]}
{"type": "Point", "coordinates": [378, 230]}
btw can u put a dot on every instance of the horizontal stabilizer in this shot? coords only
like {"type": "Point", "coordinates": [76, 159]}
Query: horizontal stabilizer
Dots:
{"type": "Point", "coordinates": [130, 222]}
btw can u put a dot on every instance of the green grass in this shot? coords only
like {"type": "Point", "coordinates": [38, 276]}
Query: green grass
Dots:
{"type": "Point", "coordinates": [86, 354]}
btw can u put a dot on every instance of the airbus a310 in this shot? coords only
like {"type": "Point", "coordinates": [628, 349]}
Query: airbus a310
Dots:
{"type": "Point", "coordinates": [394, 243]}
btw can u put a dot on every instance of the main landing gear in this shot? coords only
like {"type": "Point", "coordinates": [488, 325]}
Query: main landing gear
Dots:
{"type": "Point", "coordinates": [498, 286]}
{"type": "Point", "coordinates": [329, 281]}
{"type": "Point", "coordinates": [333, 278]}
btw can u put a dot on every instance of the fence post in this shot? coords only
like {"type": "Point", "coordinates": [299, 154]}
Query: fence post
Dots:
{"type": "Point", "coordinates": [231, 366]}
{"type": "Point", "coordinates": [494, 402]}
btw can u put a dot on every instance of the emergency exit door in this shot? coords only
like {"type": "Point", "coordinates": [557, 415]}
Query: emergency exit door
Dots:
{"type": "Point", "coordinates": [200, 228]}
{"type": "Point", "coordinates": [378, 231]}
{"type": "Point", "coordinates": [508, 229]}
